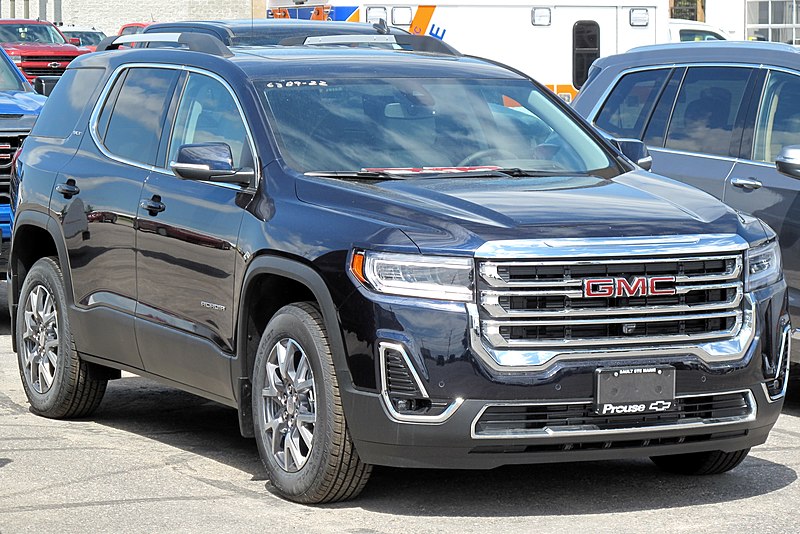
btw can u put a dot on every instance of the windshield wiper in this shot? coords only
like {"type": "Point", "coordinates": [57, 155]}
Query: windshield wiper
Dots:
{"type": "Point", "coordinates": [516, 172]}
{"type": "Point", "coordinates": [365, 175]}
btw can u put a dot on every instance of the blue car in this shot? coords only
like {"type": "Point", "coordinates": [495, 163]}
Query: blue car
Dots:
{"type": "Point", "coordinates": [19, 107]}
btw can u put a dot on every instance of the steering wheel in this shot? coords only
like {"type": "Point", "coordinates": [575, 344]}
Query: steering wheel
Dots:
{"type": "Point", "coordinates": [480, 154]}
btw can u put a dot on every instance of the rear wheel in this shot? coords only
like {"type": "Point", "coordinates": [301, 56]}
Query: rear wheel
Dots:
{"type": "Point", "coordinates": [701, 463]}
{"type": "Point", "coordinates": [300, 427]}
{"type": "Point", "coordinates": [57, 383]}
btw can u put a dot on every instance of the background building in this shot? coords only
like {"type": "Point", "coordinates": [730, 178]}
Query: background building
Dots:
{"type": "Point", "coordinates": [109, 15]}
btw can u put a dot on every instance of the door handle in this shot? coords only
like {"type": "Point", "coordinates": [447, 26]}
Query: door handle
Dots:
{"type": "Point", "coordinates": [154, 206]}
{"type": "Point", "coordinates": [68, 189]}
{"type": "Point", "coordinates": [749, 184]}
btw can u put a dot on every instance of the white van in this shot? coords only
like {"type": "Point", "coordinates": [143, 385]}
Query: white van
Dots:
{"type": "Point", "coordinates": [555, 43]}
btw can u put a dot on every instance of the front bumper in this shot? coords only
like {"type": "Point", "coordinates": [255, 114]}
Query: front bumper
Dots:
{"type": "Point", "coordinates": [437, 346]}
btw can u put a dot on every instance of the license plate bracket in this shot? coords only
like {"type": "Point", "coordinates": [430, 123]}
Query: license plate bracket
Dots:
{"type": "Point", "coordinates": [634, 390]}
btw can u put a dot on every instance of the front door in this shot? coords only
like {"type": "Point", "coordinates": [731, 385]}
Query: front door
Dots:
{"type": "Point", "coordinates": [186, 239]}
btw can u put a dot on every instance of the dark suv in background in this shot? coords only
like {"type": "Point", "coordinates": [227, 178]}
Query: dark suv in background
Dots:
{"type": "Point", "coordinates": [721, 116]}
{"type": "Point", "coordinates": [386, 257]}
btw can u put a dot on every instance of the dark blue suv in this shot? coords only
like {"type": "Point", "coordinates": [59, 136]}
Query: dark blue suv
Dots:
{"type": "Point", "coordinates": [385, 257]}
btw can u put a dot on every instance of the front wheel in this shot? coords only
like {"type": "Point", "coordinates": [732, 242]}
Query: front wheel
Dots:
{"type": "Point", "coordinates": [57, 382]}
{"type": "Point", "coordinates": [701, 463]}
{"type": "Point", "coordinates": [301, 431]}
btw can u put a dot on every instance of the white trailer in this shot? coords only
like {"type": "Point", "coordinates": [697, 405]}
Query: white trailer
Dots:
{"type": "Point", "coordinates": [553, 42]}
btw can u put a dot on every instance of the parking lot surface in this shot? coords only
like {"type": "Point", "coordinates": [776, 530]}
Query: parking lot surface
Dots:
{"type": "Point", "coordinates": [154, 459]}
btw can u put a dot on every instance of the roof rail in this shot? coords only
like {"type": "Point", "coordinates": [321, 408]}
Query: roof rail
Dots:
{"type": "Point", "coordinates": [415, 43]}
{"type": "Point", "coordinates": [196, 42]}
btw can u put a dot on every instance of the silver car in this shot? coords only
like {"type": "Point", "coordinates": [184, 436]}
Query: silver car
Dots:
{"type": "Point", "coordinates": [722, 116]}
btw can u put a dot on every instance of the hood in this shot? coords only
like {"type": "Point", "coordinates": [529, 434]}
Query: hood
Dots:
{"type": "Point", "coordinates": [28, 49]}
{"type": "Point", "coordinates": [21, 103]}
{"type": "Point", "coordinates": [460, 214]}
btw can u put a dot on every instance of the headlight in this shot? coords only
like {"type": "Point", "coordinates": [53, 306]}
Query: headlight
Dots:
{"type": "Point", "coordinates": [763, 266]}
{"type": "Point", "coordinates": [411, 275]}
{"type": "Point", "coordinates": [15, 58]}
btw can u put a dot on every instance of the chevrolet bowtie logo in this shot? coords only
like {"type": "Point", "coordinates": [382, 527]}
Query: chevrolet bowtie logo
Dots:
{"type": "Point", "coordinates": [660, 406]}
{"type": "Point", "coordinates": [54, 65]}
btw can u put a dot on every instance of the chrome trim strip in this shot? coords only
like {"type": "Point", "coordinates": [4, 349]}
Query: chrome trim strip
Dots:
{"type": "Point", "coordinates": [583, 431]}
{"type": "Point", "coordinates": [538, 249]}
{"type": "Point", "coordinates": [614, 320]}
{"type": "Point", "coordinates": [708, 351]}
{"type": "Point", "coordinates": [94, 117]}
{"type": "Point", "coordinates": [703, 155]}
{"type": "Point", "coordinates": [387, 404]}
{"type": "Point", "coordinates": [383, 347]}
{"type": "Point", "coordinates": [490, 301]}
{"type": "Point", "coordinates": [784, 359]}
{"type": "Point", "coordinates": [490, 270]}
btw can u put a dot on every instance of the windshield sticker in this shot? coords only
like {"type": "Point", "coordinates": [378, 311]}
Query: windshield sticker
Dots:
{"type": "Point", "coordinates": [297, 83]}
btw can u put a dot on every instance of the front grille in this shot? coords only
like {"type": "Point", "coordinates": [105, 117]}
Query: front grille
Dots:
{"type": "Point", "coordinates": [543, 304]}
{"type": "Point", "coordinates": [49, 59]}
{"type": "Point", "coordinates": [8, 147]}
{"type": "Point", "coordinates": [545, 419]}
{"type": "Point", "coordinates": [43, 71]}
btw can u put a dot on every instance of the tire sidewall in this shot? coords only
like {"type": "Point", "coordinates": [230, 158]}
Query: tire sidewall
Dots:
{"type": "Point", "coordinates": [295, 323]}
{"type": "Point", "coordinates": [45, 272]}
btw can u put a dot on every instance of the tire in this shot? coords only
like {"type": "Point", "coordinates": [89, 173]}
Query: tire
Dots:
{"type": "Point", "coordinates": [59, 385]}
{"type": "Point", "coordinates": [296, 394]}
{"type": "Point", "coordinates": [701, 463]}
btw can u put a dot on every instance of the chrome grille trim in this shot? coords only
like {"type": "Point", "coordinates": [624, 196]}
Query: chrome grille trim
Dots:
{"type": "Point", "coordinates": [538, 285]}
{"type": "Point", "coordinates": [582, 431]}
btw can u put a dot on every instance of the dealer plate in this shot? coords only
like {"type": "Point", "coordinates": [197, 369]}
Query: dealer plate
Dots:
{"type": "Point", "coordinates": [635, 390]}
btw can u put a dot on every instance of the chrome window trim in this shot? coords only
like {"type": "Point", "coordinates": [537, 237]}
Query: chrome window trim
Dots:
{"type": "Point", "coordinates": [94, 118]}
{"type": "Point", "coordinates": [387, 404]}
{"type": "Point", "coordinates": [703, 155]}
{"type": "Point", "coordinates": [555, 433]}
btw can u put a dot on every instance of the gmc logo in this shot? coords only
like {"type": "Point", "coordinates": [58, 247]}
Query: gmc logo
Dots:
{"type": "Point", "coordinates": [639, 286]}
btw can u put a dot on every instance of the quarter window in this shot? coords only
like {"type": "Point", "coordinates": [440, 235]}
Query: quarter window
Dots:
{"type": "Point", "coordinates": [66, 103]}
{"type": "Point", "coordinates": [778, 122]}
{"type": "Point", "coordinates": [137, 116]}
{"type": "Point", "coordinates": [629, 105]}
{"type": "Point", "coordinates": [208, 114]}
{"type": "Point", "coordinates": [706, 110]}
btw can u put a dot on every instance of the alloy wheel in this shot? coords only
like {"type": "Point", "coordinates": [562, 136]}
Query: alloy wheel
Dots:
{"type": "Point", "coordinates": [40, 338]}
{"type": "Point", "coordinates": [289, 398]}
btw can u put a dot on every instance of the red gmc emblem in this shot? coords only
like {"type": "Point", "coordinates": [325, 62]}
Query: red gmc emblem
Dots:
{"type": "Point", "coordinates": [638, 286]}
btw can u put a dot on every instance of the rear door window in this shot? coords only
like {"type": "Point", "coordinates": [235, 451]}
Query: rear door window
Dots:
{"type": "Point", "coordinates": [706, 109]}
{"type": "Point", "coordinates": [630, 104]}
{"type": "Point", "coordinates": [136, 117]}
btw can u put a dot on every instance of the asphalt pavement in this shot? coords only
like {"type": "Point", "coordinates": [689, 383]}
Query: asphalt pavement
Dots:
{"type": "Point", "coordinates": [155, 459]}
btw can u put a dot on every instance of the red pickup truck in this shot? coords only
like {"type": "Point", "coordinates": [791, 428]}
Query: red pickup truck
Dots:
{"type": "Point", "coordinates": [38, 47]}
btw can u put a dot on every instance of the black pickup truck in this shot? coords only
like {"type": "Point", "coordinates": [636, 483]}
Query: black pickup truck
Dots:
{"type": "Point", "coordinates": [385, 257]}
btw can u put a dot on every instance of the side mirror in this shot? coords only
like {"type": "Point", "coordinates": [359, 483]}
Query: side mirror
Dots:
{"type": "Point", "coordinates": [44, 84]}
{"type": "Point", "coordinates": [209, 161]}
{"type": "Point", "coordinates": [636, 151]}
{"type": "Point", "coordinates": [788, 161]}
{"type": "Point", "coordinates": [75, 41]}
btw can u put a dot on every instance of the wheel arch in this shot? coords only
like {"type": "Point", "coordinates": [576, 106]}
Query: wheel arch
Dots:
{"type": "Point", "coordinates": [265, 273]}
{"type": "Point", "coordinates": [35, 236]}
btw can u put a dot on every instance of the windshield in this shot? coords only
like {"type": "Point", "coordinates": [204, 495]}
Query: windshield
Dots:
{"type": "Point", "coordinates": [30, 33]}
{"type": "Point", "coordinates": [352, 125]}
{"type": "Point", "coordinates": [88, 38]}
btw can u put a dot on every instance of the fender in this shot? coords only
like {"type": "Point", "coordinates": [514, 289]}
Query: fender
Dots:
{"type": "Point", "coordinates": [307, 276]}
{"type": "Point", "coordinates": [47, 223]}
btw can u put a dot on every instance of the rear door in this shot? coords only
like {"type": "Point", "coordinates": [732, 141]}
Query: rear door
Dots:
{"type": "Point", "coordinates": [97, 195]}
{"type": "Point", "coordinates": [187, 247]}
